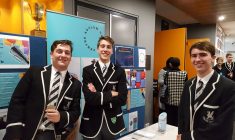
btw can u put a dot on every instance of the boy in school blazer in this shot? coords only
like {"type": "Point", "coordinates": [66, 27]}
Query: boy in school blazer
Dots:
{"type": "Point", "coordinates": [206, 113]}
{"type": "Point", "coordinates": [228, 68]}
{"type": "Point", "coordinates": [28, 105]}
{"type": "Point", "coordinates": [105, 91]}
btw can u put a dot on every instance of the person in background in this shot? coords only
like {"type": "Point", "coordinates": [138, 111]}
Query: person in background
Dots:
{"type": "Point", "coordinates": [218, 66]}
{"type": "Point", "coordinates": [175, 79]}
{"type": "Point", "coordinates": [207, 102]}
{"type": "Point", "coordinates": [228, 67]}
{"type": "Point", "coordinates": [161, 83]}
{"type": "Point", "coordinates": [46, 101]}
{"type": "Point", "coordinates": [105, 91]}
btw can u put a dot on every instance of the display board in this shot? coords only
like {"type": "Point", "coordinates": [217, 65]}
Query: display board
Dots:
{"type": "Point", "coordinates": [132, 59]}
{"type": "Point", "coordinates": [11, 75]}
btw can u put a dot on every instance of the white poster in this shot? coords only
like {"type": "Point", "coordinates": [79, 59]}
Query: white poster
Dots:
{"type": "Point", "coordinates": [142, 57]}
{"type": "Point", "coordinates": [133, 121]}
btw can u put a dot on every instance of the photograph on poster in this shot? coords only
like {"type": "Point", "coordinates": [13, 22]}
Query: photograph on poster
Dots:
{"type": "Point", "coordinates": [124, 56]}
{"type": "Point", "coordinates": [142, 58]}
{"type": "Point", "coordinates": [133, 121]}
{"type": "Point", "coordinates": [14, 51]}
{"type": "Point", "coordinates": [138, 78]}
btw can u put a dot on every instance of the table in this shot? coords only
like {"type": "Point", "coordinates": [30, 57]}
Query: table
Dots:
{"type": "Point", "coordinates": [170, 134]}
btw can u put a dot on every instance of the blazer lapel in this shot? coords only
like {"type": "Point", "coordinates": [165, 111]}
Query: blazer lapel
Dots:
{"type": "Point", "coordinates": [98, 73]}
{"type": "Point", "coordinates": [208, 90]}
{"type": "Point", "coordinates": [46, 77]}
{"type": "Point", "coordinates": [66, 85]}
{"type": "Point", "coordinates": [192, 89]}
{"type": "Point", "coordinates": [109, 74]}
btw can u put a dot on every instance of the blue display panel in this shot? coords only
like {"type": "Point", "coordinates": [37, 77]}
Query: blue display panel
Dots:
{"type": "Point", "coordinates": [84, 33]}
{"type": "Point", "coordinates": [132, 59]}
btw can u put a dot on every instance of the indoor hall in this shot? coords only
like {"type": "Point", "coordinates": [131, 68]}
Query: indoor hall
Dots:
{"type": "Point", "coordinates": [160, 29]}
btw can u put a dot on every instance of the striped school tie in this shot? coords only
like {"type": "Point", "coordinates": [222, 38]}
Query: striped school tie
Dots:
{"type": "Point", "coordinates": [104, 70]}
{"type": "Point", "coordinates": [198, 92]}
{"type": "Point", "coordinates": [53, 96]}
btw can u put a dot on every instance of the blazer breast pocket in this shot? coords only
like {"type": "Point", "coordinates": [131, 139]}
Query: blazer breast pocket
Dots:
{"type": "Point", "coordinates": [209, 113]}
{"type": "Point", "coordinates": [67, 102]}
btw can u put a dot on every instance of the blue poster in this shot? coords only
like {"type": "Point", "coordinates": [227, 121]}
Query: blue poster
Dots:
{"type": "Point", "coordinates": [137, 97]}
{"type": "Point", "coordinates": [84, 33]}
{"type": "Point", "coordinates": [124, 56]}
{"type": "Point", "coordinates": [8, 82]}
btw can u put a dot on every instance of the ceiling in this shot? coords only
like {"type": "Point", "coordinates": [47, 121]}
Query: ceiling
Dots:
{"type": "Point", "coordinates": [200, 11]}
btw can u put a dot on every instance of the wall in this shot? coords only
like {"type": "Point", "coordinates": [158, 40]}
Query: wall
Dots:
{"type": "Point", "coordinates": [159, 18]}
{"type": "Point", "coordinates": [228, 46]}
{"type": "Point", "coordinates": [169, 43]}
{"type": "Point", "coordinates": [145, 10]}
{"type": "Point", "coordinates": [10, 16]}
{"type": "Point", "coordinates": [195, 31]}
{"type": "Point", "coordinates": [17, 19]}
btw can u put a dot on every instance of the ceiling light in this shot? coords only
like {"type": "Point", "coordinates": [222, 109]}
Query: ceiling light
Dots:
{"type": "Point", "coordinates": [221, 18]}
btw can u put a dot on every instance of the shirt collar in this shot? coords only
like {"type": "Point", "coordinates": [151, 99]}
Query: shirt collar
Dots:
{"type": "Point", "coordinates": [102, 64]}
{"type": "Point", "coordinates": [206, 78]}
{"type": "Point", "coordinates": [54, 70]}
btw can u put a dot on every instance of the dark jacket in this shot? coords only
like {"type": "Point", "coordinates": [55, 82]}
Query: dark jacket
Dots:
{"type": "Point", "coordinates": [213, 117]}
{"type": "Point", "coordinates": [29, 100]}
{"type": "Point", "coordinates": [226, 70]}
{"type": "Point", "coordinates": [100, 106]}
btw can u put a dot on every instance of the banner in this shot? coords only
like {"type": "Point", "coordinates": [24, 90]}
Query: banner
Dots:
{"type": "Point", "coordinates": [84, 33]}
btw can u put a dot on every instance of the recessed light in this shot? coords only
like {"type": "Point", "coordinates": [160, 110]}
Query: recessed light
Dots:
{"type": "Point", "coordinates": [221, 18]}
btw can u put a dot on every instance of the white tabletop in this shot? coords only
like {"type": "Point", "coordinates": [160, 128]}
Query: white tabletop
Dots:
{"type": "Point", "coordinates": [170, 134]}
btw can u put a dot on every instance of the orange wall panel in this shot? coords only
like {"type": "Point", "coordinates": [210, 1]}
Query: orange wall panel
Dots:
{"type": "Point", "coordinates": [18, 19]}
{"type": "Point", "coordinates": [169, 43]}
{"type": "Point", "coordinates": [10, 16]}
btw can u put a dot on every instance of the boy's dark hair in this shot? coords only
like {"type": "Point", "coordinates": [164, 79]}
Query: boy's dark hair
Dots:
{"type": "Point", "coordinates": [205, 46]}
{"type": "Point", "coordinates": [228, 54]}
{"type": "Point", "coordinates": [107, 38]}
{"type": "Point", "coordinates": [219, 58]}
{"type": "Point", "coordinates": [62, 42]}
